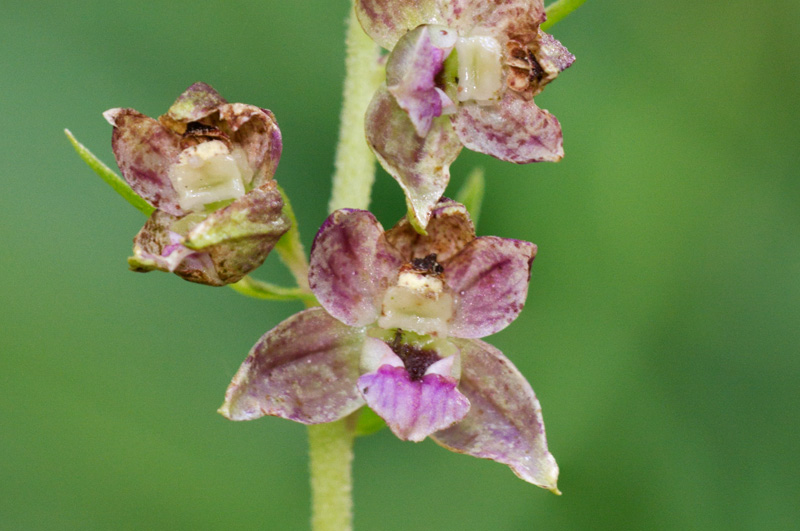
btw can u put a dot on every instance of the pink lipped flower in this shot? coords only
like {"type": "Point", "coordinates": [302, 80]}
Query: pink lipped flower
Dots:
{"type": "Point", "coordinates": [459, 73]}
{"type": "Point", "coordinates": [398, 330]}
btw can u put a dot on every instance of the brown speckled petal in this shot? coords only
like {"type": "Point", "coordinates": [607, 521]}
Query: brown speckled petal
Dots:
{"type": "Point", "coordinates": [489, 281]}
{"type": "Point", "coordinates": [504, 422]}
{"type": "Point", "coordinates": [305, 369]}
{"type": "Point", "coordinates": [388, 20]}
{"type": "Point", "coordinates": [351, 266]}
{"type": "Point", "coordinates": [516, 19]}
{"type": "Point", "coordinates": [256, 131]}
{"type": "Point", "coordinates": [514, 130]}
{"type": "Point", "coordinates": [421, 165]}
{"type": "Point", "coordinates": [196, 102]}
{"type": "Point", "coordinates": [156, 247]}
{"type": "Point", "coordinates": [449, 230]}
{"type": "Point", "coordinates": [145, 150]}
{"type": "Point", "coordinates": [240, 236]}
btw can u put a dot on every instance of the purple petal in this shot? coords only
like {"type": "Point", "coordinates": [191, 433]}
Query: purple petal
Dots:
{"type": "Point", "coordinates": [421, 165]}
{"type": "Point", "coordinates": [505, 419]}
{"type": "Point", "coordinates": [196, 102]}
{"type": "Point", "coordinates": [449, 230]}
{"type": "Point", "coordinates": [489, 280]}
{"type": "Point", "coordinates": [410, 73]}
{"type": "Point", "coordinates": [240, 236]}
{"type": "Point", "coordinates": [388, 20]}
{"type": "Point", "coordinates": [514, 130]}
{"type": "Point", "coordinates": [256, 131]}
{"type": "Point", "coordinates": [305, 369]}
{"type": "Point", "coordinates": [145, 150]}
{"type": "Point", "coordinates": [351, 266]}
{"type": "Point", "coordinates": [552, 55]}
{"type": "Point", "coordinates": [517, 19]}
{"type": "Point", "coordinates": [413, 409]}
{"type": "Point", "coordinates": [157, 247]}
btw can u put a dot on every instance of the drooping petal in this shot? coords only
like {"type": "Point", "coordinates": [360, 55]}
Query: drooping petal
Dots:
{"type": "Point", "coordinates": [388, 20]}
{"type": "Point", "coordinates": [145, 150]}
{"type": "Point", "coordinates": [489, 280]}
{"type": "Point", "coordinates": [254, 130]}
{"type": "Point", "coordinates": [514, 130]}
{"type": "Point", "coordinates": [505, 419]}
{"type": "Point", "coordinates": [305, 369]}
{"type": "Point", "coordinates": [410, 71]}
{"type": "Point", "coordinates": [421, 165]}
{"type": "Point", "coordinates": [449, 230]}
{"type": "Point", "coordinates": [158, 247]}
{"type": "Point", "coordinates": [413, 409]}
{"type": "Point", "coordinates": [351, 266]}
{"type": "Point", "coordinates": [240, 236]}
{"type": "Point", "coordinates": [196, 102]}
{"type": "Point", "coordinates": [499, 18]}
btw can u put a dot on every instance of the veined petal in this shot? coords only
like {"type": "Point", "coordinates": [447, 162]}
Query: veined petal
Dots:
{"type": "Point", "coordinates": [413, 409]}
{"type": "Point", "coordinates": [385, 21]}
{"type": "Point", "coordinates": [157, 247]}
{"type": "Point", "coordinates": [505, 419]}
{"type": "Point", "coordinates": [305, 369]}
{"type": "Point", "coordinates": [410, 73]}
{"type": "Point", "coordinates": [196, 102]}
{"type": "Point", "coordinates": [351, 266]}
{"type": "Point", "coordinates": [449, 230]}
{"type": "Point", "coordinates": [489, 280]}
{"type": "Point", "coordinates": [254, 130]}
{"type": "Point", "coordinates": [514, 130]}
{"type": "Point", "coordinates": [240, 236]}
{"type": "Point", "coordinates": [145, 150]}
{"type": "Point", "coordinates": [500, 18]}
{"type": "Point", "coordinates": [421, 165]}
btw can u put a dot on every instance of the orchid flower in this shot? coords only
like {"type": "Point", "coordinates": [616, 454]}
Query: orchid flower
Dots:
{"type": "Point", "coordinates": [206, 166]}
{"type": "Point", "coordinates": [398, 331]}
{"type": "Point", "coordinates": [460, 73]}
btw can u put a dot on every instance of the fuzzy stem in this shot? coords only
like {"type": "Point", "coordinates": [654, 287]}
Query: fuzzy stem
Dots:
{"type": "Point", "coordinates": [331, 454]}
{"type": "Point", "coordinates": [331, 445]}
{"type": "Point", "coordinates": [355, 163]}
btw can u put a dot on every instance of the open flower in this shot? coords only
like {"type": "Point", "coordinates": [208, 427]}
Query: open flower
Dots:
{"type": "Point", "coordinates": [398, 329]}
{"type": "Point", "coordinates": [206, 166]}
{"type": "Point", "coordinates": [460, 73]}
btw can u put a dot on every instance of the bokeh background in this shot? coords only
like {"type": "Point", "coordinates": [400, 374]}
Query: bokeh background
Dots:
{"type": "Point", "coordinates": [661, 332]}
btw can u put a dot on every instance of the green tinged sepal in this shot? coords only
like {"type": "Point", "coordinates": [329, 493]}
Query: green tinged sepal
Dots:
{"type": "Point", "coordinates": [111, 178]}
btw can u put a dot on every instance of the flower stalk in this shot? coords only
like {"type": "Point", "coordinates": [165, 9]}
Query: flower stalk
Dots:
{"type": "Point", "coordinates": [559, 10]}
{"type": "Point", "coordinates": [331, 455]}
{"type": "Point", "coordinates": [355, 163]}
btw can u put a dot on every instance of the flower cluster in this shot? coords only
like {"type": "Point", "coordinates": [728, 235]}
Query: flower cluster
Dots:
{"type": "Point", "coordinates": [402, 311]}
{"type": "Point", "coordinates": [398, 330]}
{"type": "Point", "coordinates": [460, 73]}
{"type": "Point", "coordinates": [206, 166]}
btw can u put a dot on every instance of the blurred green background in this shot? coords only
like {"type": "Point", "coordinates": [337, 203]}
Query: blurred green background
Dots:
{"type": "Point", "coordinates": [661, 332]}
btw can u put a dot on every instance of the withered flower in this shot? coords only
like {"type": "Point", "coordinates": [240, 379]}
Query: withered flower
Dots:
{"type": "Point", "coordinates": [206, 166]}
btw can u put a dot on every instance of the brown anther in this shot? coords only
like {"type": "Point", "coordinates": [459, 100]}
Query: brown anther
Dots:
{"type": "Point", "coordinates": [427, 265]}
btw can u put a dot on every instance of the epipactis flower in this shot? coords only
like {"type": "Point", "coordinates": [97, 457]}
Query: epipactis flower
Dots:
{"type": "Point", "coordinates": [206, 166]}
{"type": "Point", "coordinates": [460, 73]}
{"type": "Point", "coordinates": [398, 330]}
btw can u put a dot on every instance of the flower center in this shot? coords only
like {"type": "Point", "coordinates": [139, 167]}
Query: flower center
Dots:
{"type": "Point", "coordinates": [419, 301]}
{"type": "Point", "coordinates": [209, 173]}
{"type": "Point", "coordinates": [479, 68]}
{"type": "Point", "coordinates": [416, 360]}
